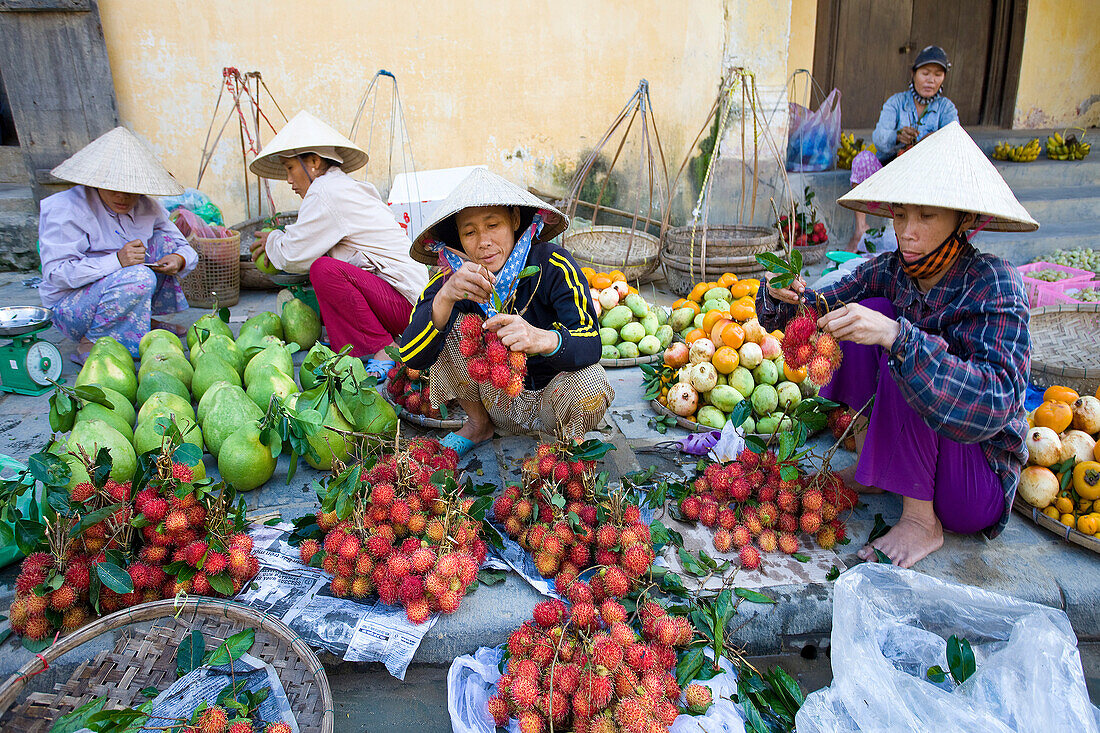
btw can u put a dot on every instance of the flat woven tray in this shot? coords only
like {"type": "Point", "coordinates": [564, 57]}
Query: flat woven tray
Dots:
{"type": "Point", "coordinates": [1053, 525]}
{"type": "Point", "coordinates": [691, 425]}
{"type": "Point", "coordinates": [1064, 348]}
{"type": "Point", "coordinates": [146, 657]}
{"type": "Point", "coordinates": [634, 252]}
{"type": "Point", "coordinates": [452, 423]}
{"type": "Point", "coordinates": [636, 361]}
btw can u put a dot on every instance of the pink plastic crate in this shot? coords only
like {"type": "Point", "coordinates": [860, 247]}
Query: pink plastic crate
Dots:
{"type": "Point", "coordinates": [1040, 292]}
{"type": "Point", "coordinates": [1054, 298]}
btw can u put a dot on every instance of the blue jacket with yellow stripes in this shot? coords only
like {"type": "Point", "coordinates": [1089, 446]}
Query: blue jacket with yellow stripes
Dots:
{"type": "Point", "coordinates": [557, 298]}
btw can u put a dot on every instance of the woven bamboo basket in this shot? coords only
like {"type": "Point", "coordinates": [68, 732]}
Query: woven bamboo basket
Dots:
{"type": "Point", "coordinates": [681, 273]}
{"type": "Point", "coordinates": [251, 278]}
{"type": "Point", "coordinates": [813, 253]}
{"type": "Point", "coordinates": [216, 279]}
{"type": "Point", "coordinates": [603, 248]}
{"type": "Point", "coordinates": [1064, 346]}
{"type": "Point", "coordinates": [456, 419]}
{"type": "Point", "coordinates": [146, 657]}
{"type": "Point", "coordinates": [1053, 525]}
{"type": "Point", "coordinates": [694, 427]}
{"type": "Point", "coordinates": [722, 241]}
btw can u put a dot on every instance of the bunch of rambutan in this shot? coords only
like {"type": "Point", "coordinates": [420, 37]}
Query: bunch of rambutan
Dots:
{"type": "Point", "coordinates": [219, 719]}
{"type": "Point", "coordinates": [409, 388]}
{"type": "Point", "coordinates": [585, 668]}
{"type": "Point", "coordinates": [607, 532]}
{"type": "Point", "coordinates": [488, 360]}
{"type": "Point", "coordinates": [403, 539]}
{"type": "Point", "coordinates": [805, 345]}
{"type": "Point", "coordinates": [754, 510]}
{"type": "Point", "coordinates": [173, 538]}
{"type": "Point", "coordinates": [838, 421]}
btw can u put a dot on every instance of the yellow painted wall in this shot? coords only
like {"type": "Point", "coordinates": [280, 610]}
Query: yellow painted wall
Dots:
{"type": "Point", "coordinates": [803, 28]}
{"type": "Point", "coordinates": [525, 87]}
{"type": "Point", "coordinates": [1060, 69]}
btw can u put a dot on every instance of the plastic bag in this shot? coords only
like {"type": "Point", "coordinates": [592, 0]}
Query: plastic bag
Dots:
{"type": "Point", "coordinates": [195, 200]}
{"type": "Point", "coordinates": [814, 136]}
{"type": "Point", "coordinates": [188, 222]}
{"type": "Point", "coordinates": [472, 680]}
{"type": "Point", "coordinates": [891, 625]}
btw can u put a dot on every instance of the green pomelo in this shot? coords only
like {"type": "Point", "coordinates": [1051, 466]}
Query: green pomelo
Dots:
{"type": "Point", "coordinates": [161, 382]}
{"type": "Point", "coordinates": [208, 399]}
{"type": "Point", "coordinates": [766, 373]}
{"type": "Point", "coordinates": [266, 384]}
{"type": "Point", "coordinates": [250, 339]}
{"type": "Point", "coordinates": [244, 461]}
{"type": "Point", "coordinates": [741, 380]}
{"type": "Point", "coordinates": [373, 415]}
{"type": "Point", "coordinates": [120, 404]}
{"type": "Point", "coordinates": [789, 395]}
{"type": "Point", "coordinates": [264, 265]}
{"type": "Point", "coordinates": [725, 398]}
{"type": "Point", "coordinates": [301, 324]}
{"type": "Point", "coordinates": [275, 357]}
{"type": "Point", "coordinates": [163, 403]}
{"type": "Point", "coordinates": [267, 322]}
{"type": "Point", "coordinates": [92, 411]}
{"type": "Point", "coordinates": [711, 416]}
{"type": "Point", "coordinates": [767, 425]}
{"type": "Point", "coordinates": [764, 399]}
{"type": "Point", "coordinates": [146, 438]}
{"type": "Point", "coordinates": [617, 317]}
{"type": "Point", "coordinates": [161, 335]}
{"type": "Point", "coordinates": [628, 350]}
{"type": "Point", "coordinates": [107, 346]}
{"type": "Point", "coordinates": [211, 369]}
{"type": "Point", "coordinates": [609, 352]}
{"type": "Point", "coordinates": [329, 444]}
{"type": "Point", "coordinates": [609, 336]}
{"type": "Point", "coordinates": [228, 411]}
{"type": "Point", "coordinates": [161, 347]}
{"type": "Point", "coordinates": [224, 348]}
{"type": "Point", "coordinates": [104, 371]}
{"type": "Point", "coordinates": [170, 362]}
{"type": "Point", "coordinates": [316, 354]}
{"type": "Point", "coordinates": [92, 434]}
{"type": "Point", "coordinates": [210, 323]}
{"type": "Point", "coordinates": [649, 345]}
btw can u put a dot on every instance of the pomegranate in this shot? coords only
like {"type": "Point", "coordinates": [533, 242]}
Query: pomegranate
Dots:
{"type": "Point", "coordinates": [683, 399]}
{"type": "Point", "coordinates": [769, 347]}
{"type": "Point", "coordinates": [1086, 414]}
{"type": "Point", "coordinates": [1078, 445]}
{"type": "Point", "coordinates": [622, 288]}
{"type": "Point", "coordinates": [703, 377]}
{"type": "Point", "coordinates": [676, 355]}
{"type": "Point", "coordinates": [1044, 448]}
{"type": "Point", "coordinates": [1038, 486]}
{"type": "Point", "coordinates": [702, 350]}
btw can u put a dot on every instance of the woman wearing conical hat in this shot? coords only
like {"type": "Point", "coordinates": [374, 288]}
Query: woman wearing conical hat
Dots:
{"type": "Point", "coordinates": [111, 258]}
{"type": "Point", "coordinates": [485, 234]}
{"type": "Point", "coordinates": [937, 333]}
{"type": "Point", "coordinates": [346, 238]}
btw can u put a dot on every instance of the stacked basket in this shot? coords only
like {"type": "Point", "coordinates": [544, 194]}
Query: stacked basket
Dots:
{"type": "Point", "coordinates": [695, 254]}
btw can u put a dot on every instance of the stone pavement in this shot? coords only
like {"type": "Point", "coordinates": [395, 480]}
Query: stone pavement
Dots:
{"type": "Point", "coordinates": [1025, 562]}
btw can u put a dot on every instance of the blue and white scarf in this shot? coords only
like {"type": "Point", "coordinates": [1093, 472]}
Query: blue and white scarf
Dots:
{"type": "Point", "coordinates": [508, 277]}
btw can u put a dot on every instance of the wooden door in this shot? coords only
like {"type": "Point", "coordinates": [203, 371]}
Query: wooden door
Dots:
{"type": "Point", "coordinates": [866, 49]}
{"type": "Point", "coordinates": [57, 78]}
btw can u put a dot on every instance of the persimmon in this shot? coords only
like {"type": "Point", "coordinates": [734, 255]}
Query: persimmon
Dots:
{"type": "Point", "coordinates": [725, 360]}
{"type": "Point", "coordinates": [733, 335]}
{"type": "Point", "coordinates": [727, 279]}
{"type": "Point", "coordinates": [694, 335]}
{"type": "Point", "coordinates": [710, 318]}
{"type": "Point", "coordinates": [1054, 414]}
{"type": "Point", "coordinates": [617, 276]}
{"type": "Point", "coordinates": [1061, 394]}
{"type": "Point", "coordinates": [698, 291]}
{"type": "Point", "coordinates": [742, 311]}
{"type": "Point", "coordinates": [601, 281]}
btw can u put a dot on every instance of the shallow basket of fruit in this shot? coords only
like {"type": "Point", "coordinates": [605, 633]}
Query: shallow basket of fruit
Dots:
{"type": "Point", "coordinates": [145, 655]}
{"type": "Point", "coordinates": [1070, 534]}
{"type": "Point", "coordinates": [633, 251]}
{"type": "Point", "coordinates": [1062, 353]}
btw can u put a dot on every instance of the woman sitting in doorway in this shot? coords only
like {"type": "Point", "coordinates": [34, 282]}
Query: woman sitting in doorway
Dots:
{"type": "Point", "coordinates": [111, 258]}
{"type": "Point", "coordinates": [346, 238]}
{"type": "Point", "coordinates": [486, 232]}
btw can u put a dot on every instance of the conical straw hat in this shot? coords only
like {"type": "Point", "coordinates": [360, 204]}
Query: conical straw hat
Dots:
{"type": "Point", "coordinates": [119, 161]}
{"type": "Point", "coordinates": [483, 188]}
{"type": "Point", "coordinates": [306, 133]}
{"type": "Point", "coordinates": [949, 170]}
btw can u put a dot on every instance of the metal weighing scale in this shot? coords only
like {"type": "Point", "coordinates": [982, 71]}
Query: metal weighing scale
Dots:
{"type": "Point", "coordinates": [27, 365]}
{"type": "Point", "coordinates": [299, 287]}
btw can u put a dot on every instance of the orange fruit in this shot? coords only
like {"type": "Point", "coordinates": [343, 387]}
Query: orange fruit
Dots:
{"type": "Point", "coordinates": [1064, 504]}
{"type": "Point", "coordinates": [716, 330]}
{"type": "Point", "coordinates": [588, 272]}
{"type": "Point", "coordinates": [631, 289]}
{"type": "Point", "coordinates": [1061, 394]}
{"type": "Point", "coordinates": [698, 291]}
{"type": "Point", "coordinates": [742, 311]}
{"type": "Point", "coordinates": [794, 375]}
{"type": "Point", "coordinates": [740, 289]}
{"type": "Point", "coordinates": [617, 276]}
{"type": "Point", "coordinates": [680, 303]}
{"type": "Point", "coordinates": [1054, 415]}
{"type": "Point", "coordinates": [601, 280]}
{"type": "Point", "coordinates": [693, 305]}
{"type": "Point", "coordinates": [727, 279]}
{"type": "Point", "coordinates": [725, 359]}
{"type": "Point", "coordinates": [754, 284]}
{"type": "Point", "coordinates": [694, 335]}
{"type": "Point", "coordinates": [710, 318]}
{"type": "Point", "coordinates": [733, 335]}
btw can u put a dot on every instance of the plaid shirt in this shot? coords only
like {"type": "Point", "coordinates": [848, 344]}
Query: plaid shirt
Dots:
{"type": "Point", "coordinates": [963, 354]}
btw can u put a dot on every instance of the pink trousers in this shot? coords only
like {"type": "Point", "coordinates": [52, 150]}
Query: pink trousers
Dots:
{"type": "Point", "coordinates": [357, 307]}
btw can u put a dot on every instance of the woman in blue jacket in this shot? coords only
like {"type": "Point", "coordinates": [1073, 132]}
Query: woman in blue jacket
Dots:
{"type": "Point", "coordinates": [909, 116]}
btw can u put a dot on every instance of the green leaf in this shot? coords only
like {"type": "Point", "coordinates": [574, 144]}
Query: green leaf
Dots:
{"type": "Point", "coordinates": [232, 649]}
{"type": "Point", "coordinates": [936, 674]}
{"type": "Point", "coordinates": [833, 574]}
{"type": "Point", "coordinates": [221, 583]}
{"type": "Point", "coordinates": [690, 564]}
{"type": "Point", "coordinates": [741, 412]}
{"type": "Point", "coordinates": [788, 473]}
{"type": "Point", "coordinates": [150, 692]}
{"type": "Point", "coordinates": [882, 557]}
{"type": "Point", "coordinates": [786, 683]}
{"type": "Point", "coordinates": [190, 653]}
{"type": "Point", "coordinates": [773, 263]}
{"type": "Point", "coordinates": [78, 719]}
{"type": "Point", "coordinates": [101, 469]}
{"type": "Point", "coordinates": [491, 577]}
{"type": "Point", "coordinates": [91, 393]}
{"type": "Point", "coordinates": [29, 535]}
{"type": "Point", "coordinates": [529, 271]}
{"type": "Point", "coordinates": [188, 454]}
{"type": "Point", "coordinates": [781, 281]}
{"type": "Point", "coordinates": [752, 596]}
{"type": "Point", "coordinates": [800, 557]}
{"type": "Point", "coordinates": [114, 577]}
{"type": "Point", "coordinates": [689, 664]}
{"type": "Point", "coordinates": [223, 313]}
{"type": "Point", "coordinates": [786, 446]}
{"type": "Point", "coordinates": [879, 529]}
{"type": "Point", "coordinates": [49, 469]}
{"type": "Point", "coordinates": [960, 659]}
{"type": "Point", "coordinates": [37, 647]}
{"type": "Point", "coordinates": [498, 306]}
{"type": "Point", "coordinates": [796, 260]}
{"type": "Point", "coordinates": [91, 518]}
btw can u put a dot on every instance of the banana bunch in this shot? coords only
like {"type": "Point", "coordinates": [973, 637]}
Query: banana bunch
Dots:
{"type": "Point", "coordinates": [1070, 148]}
{"type": "Point", "coordinates": [1018, 153]}
{"type": "Point", "coordinates": [849, 148]}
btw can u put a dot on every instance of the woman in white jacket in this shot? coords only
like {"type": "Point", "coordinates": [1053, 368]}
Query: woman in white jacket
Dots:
{"type": "Point", "coordinates": [346, 238]}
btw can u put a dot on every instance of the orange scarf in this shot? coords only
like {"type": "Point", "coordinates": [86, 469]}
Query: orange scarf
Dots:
{"type": "Point", "coordinates": [937, 260]}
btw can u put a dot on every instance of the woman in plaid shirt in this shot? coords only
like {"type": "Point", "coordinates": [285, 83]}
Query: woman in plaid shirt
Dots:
{"type": "Point", "coordinates": [937, 333]}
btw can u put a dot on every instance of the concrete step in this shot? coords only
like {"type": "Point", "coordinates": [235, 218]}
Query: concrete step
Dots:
{"type": "Point", "coordinates": [1053, 206]}
{"type": "Point", "coordinates": [1022, 247]}
{"type": "Point", "coordinates": [1050, 173]}
{"type": "Point", "coordinates": [18, 240]}
{"type": "Point", "coordinates": [17, 199]}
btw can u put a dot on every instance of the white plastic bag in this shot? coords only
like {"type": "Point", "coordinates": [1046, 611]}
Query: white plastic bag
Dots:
{"type": "Point", "coordinates": [891, 625]}
{"type": "Point", "coordinates": [472, 680]}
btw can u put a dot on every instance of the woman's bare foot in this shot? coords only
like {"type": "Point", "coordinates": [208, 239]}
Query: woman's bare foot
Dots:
{"type": "Point", "coordinates": [848, 476]}
{"type": "Point", "coordinates": [381, 354]}
{"type": "Point", "coordinates": [478, 425]}
{"type": "Point", "coordinates": [916, 535]}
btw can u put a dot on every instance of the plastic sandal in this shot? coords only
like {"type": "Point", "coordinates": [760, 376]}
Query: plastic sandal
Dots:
{"type": "Point", "coordinates": [380, 367]}
{"type": "Point", "coordinates": [457, 443]}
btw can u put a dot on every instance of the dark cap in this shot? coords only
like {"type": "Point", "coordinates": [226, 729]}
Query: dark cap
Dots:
{"type": "Point", "coordinates": [932, 55]}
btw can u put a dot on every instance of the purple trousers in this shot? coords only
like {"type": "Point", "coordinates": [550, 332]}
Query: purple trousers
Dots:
{"type": "Point", "coordinates": [902, 455]}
